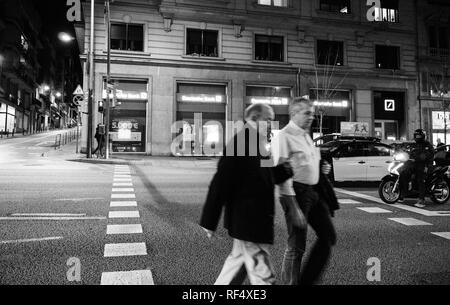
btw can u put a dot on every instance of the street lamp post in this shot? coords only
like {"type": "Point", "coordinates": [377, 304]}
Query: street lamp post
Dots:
{"type": "Point", "coordinates": [108, 77]}
{"type": "Point", "coordinates": [91, 82]}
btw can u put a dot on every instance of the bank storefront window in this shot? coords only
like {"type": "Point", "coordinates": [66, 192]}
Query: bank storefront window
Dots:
{"type": "Point", "coordinates": [332, 107]}
{"type": "Point", "coordinates": [128, 117]}
{"type": "Point", "coordinates": [201, 114]}
{"type": "Point", "coordinates": [278, 97]}
{"type": "Point", "coordinates": [390, 123]}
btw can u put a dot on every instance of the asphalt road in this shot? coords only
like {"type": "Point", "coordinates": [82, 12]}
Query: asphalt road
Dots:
{"type": "Point", "coordinates": [53, 210]}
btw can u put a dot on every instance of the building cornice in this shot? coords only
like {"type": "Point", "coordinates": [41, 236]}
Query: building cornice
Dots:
{"type": "Point", "coordinates": [256, 67]}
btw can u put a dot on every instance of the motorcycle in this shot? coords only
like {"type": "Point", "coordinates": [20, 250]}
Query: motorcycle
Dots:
{"type": "Point", "coordinates": [437, 182]}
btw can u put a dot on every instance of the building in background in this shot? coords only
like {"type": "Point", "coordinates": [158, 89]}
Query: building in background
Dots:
{"type": "Point", "coordinates": [433, 38]}
{"type": "Point", "coordinates": [31, 71]}
{"type": "Point", "coordinates": [172, 59]}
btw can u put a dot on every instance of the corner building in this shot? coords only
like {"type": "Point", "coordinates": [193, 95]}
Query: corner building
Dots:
{"type": "Point", "coordinates": [172, 59]}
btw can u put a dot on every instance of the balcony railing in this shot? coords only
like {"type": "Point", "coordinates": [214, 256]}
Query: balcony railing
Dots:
{"type": "Point", "coordinates": [436, 52]}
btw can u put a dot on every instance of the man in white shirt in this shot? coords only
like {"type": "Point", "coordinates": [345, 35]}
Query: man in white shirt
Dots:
{"type": "Point", "coordinates": [295, 144]}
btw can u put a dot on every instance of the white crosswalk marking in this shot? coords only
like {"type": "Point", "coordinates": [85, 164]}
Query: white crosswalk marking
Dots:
{"type": "Point", "coordinates": [123, 190]}
{"type": "Point", "coordinates": [122, 179]}
{"type": "Point", "coordinates": [122, 184]}
{"type": "Point", "coordinates": [410, 222]}
{"type": "Point", "coordinates": [114, 204]}
{"type": "Point", "coordinates": [123, 196]}
{"type": "Point", "coordinates": [124, 229]}
{"type": "Point", "coordinates": [123, 214]}
{"type": "Point", "coordinates": [125, 249]}
{"type": "Point", "coordinates": [349, 201]}
{"type": "Point", "coordinates": [122, 176]}
{"type": "Point", "coordinates": [136, 277]}
{"type": "Point", "coordinates": [374, 210]}
{"type": "Point", "coordinates": [445, 235]}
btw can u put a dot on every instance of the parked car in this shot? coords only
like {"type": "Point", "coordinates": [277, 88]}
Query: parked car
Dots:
{"type": "Point", "coordinates": [337, 136]}
{"type": "Point", "coordinates": [357, 160]}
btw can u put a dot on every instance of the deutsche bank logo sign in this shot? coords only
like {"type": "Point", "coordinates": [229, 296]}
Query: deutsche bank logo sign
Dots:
{"type": "Point", "coordinates": [389, 105]}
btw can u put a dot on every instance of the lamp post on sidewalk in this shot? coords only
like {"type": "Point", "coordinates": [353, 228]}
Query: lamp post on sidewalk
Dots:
{"type": "Point", "coordinates": [108, 76]}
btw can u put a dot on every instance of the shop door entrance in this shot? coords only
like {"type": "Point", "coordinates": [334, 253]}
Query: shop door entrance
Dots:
{"type": "Point", "coordinates": [386, 130]}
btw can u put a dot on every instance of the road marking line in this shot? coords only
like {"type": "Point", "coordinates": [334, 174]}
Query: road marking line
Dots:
{"type": "Point", "coordinates": [124, 229]}
{"type": "Point", "coordinates": [80, 199]}
{"type": "Point", "coordinates": [123, 190]}
{"type": "Point", "coordinates": [374, 210]}
{"type": "Point", "coordinates": [123, 196]}
{"type": "Point", "coordinates": [123, 204]}
{"type": "Point", "coordinates": [29, 240]}
{"type": "Point", "coordinates": [136, 277]}
{"type": "Point", "coordinates": [410, 222]}
{"type": "Point", "coordinates": [349, 201]}
{"type": "Point", "coordinates": [125, 249]}
{"type": "Point", "coordinates": [122, 176]}
{"type": "Point", "coordinates": [397, 205]}
{"type": "Point", "coordinates": [47, 214]}
{"type": "Point", "coordinates": [122, 180]}
{"type": "Point", "coordinates": [53, 218]}
{"type": "Point", "coordinates": [123, 214]}
{"type": "Point", "coordinates": [122, 184]}
{"type": "Point", "coordinates": [445, 235]}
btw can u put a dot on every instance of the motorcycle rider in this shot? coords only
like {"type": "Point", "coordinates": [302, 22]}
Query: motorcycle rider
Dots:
{"type": "Point", "coordinates": [422, 154]}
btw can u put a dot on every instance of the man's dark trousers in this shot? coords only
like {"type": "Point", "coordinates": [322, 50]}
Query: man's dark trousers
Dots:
{"type": "Point", "coordinates": [318, 216]}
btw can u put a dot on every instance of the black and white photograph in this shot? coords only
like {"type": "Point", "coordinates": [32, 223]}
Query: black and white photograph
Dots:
{"type": "Point", "coordinates": [211, 145]}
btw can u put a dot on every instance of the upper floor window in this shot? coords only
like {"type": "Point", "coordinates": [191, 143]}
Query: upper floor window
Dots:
{"type": "Point", "coordinates": [127, 37]}
{"type": "Point", "coordinates": [330, 53]}
{"type": "Point", "coordinates": [388, 12]}
{"type": "Point", "coordinates": [282, 3]}
{"type": "Point", "coordinates": [387, 57]}
{"type": "Point", "coordinates": [438, 37]}
{"type": "Point", "coordinates": [202, 43]}
{"type": "Point", "coordinates": [336, 6]}
{"type": "Point", "coordinates": [270, 48]}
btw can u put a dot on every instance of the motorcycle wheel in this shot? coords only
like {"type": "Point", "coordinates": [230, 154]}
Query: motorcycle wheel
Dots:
{"type": "Point", "coordinates": [443, 189]}
{"type": "Point", "coordinates": [385, 191]}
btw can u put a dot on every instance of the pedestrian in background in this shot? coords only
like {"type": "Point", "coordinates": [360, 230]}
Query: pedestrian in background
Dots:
{"type": "Point", "coordinates": [309, 194]}
{"type": "Point", "coordinates": [100, 137]}
{"type": "Point", "coordinates": [245, 189]}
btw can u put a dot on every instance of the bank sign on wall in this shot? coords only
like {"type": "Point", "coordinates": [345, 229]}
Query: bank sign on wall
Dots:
{"type": "Point", "coordinates": [437, 119]}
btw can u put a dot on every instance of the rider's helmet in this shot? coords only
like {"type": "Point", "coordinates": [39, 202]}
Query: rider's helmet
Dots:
{"type": "Point", "coordinates": [419, 136]}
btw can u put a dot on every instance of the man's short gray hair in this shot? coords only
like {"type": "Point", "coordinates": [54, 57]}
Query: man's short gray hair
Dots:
{"type": "Point", "coordinates": [296, 101]}
{"type": "Point", "coordinates": [254, 111]}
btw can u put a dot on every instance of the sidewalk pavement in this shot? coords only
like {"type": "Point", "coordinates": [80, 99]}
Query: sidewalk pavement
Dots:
{"type": "Point", "coordinates": [68, 153]}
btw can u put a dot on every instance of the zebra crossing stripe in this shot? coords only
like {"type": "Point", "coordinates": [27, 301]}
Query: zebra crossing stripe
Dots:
{"type": "Point", "coordinates": [123, 214]}
{"type": "Point", "coordinates": [410, 221]}
{"type": "Point", "coordinates": [445, 235]}
{"type": "Point", "coordinates": [136, 277]}
{"type": "Point", "coordinates": [124, 229]}
{"type": "Point", "coordinates": [349, 201]}
{"type": "Point", "coordinates": [114, 204]}
{"type": "Point", "coordinates": [123, 189]}
{"type": "Point", "coordinates": [125, 249]}
{"type": "Point", "coordinates": [123, 196]}
{"type": "Point", "coordinates": [374, 210]}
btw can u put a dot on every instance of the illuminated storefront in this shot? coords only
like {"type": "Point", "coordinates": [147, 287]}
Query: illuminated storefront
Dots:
{"type": "Point", "coordinates": [201, 111]}
{"type": "Point", "coordinates": [277, 97]}
{"type": "Point", "coordinates": [332, 107]}
{"type": "Point", "coordinates": [7, 118]}
{"type": "Point", "coordinates": [128, 117]}
{"type": "Point", "coordinates": [389, 112]}
{"type": "Point", "coordinates": [440, 121]}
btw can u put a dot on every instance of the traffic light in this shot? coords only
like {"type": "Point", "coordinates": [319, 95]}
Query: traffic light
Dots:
{"type": "Point", "coordinates": [100, 106]}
